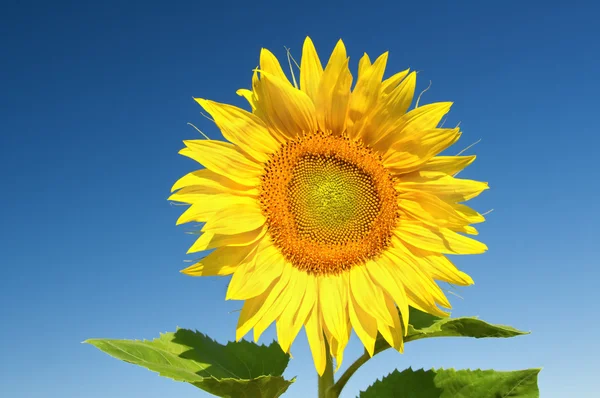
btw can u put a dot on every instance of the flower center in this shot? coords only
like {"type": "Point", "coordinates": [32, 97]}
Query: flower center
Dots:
{"type": "Point", "coordinates": [329, 203]}
{"type": "Point", "coordinates": [331, 199]}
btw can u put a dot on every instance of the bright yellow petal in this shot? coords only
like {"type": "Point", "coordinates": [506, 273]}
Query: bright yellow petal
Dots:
{"type": "Point", "coordinates": [286, 109]}
{"type": "Point", "coordinates": [469, 214]}
{"type": "Point", "coordinates": [337, 347]}
{"type": "Point", "coordinates": [441, 240]}
{"type": "Point", "coordinates": [368, 295]}
{"type": "Point", "coordinates": [224, 159]}
{"type": "Point", "coordinates": [201, 194]}
{"type": "Point", "coordinates": [446, 187]}
{"type": "Point", "coordinates": [310, 70]}
{"type": "Point", "coordinates": [366, 93]}
{"type": "Point", "coordinates": [333, 300]}
{"type": "Point", "coordinates": [390, 84]}
{"type": "Point", "coordinates": [448, 164]}
{"type": "Point", "coordinates": [364, 325]}
{"type": "Point", "coordinates": [290, 323]}
{"type": "Point", "coordinates": [440, 267]}
{"type": "Point", "coordinates": [334, 92]}
{"type": "Point", "coordinates": [316, 340]}
{"type": "Point", "coordinates": [280, 304]}
{"type": "Point", "coordinates": [392, 334]}
{"type": "Point", "coordinates": [210, 240]}
{"type": "Point", "coordinates": [254, 308]}
{"type": "Point", "coordinates": [432, 211]}
{"type": "Point", "coordinates": [363, 65]}
{"type": "Point", "coordinates": [426, 117]}
{"type": "Point", "coordinates": [235, 219]}
{"type": "Point", "coordinates": [293, 302]}
{"type": "Point", "coordinates": [418, 296]}
{"type": "Point", "coordinates": [223, 261]}
{"type": "Point", "coordinates": [205, 207]}
{"type": "Point", "coordinates": [243, 129]}
{"type": "Point", "coordinates": [252, 280]}
{"type": "Point", "coordinates": [384, 278]}
{"type": "Point", "coordinates": [270, 64]}
{"type": "Point", "coordinates": [387, 115]}
{"type": "Point", "coordinates": [248, 95]}
{"type": "Point", "coordinates": [207, 181]}
{"type": "Point", "coordinates": [410, 153]}
{"type": "Point", "coordinates": [414, 270]}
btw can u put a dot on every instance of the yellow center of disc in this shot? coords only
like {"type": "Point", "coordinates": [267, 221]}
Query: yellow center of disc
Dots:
{"type": "Point", "coordinates": [329, 203]}
{"type": "Point", "coordinates": [332, 201]}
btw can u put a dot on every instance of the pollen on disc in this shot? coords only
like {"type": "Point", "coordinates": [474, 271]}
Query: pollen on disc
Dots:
{"type": "Point", "coordinates": [329, 203]}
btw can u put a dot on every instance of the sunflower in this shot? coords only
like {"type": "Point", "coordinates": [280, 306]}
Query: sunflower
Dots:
{"type": "Point", "coordinates": [329, 205]}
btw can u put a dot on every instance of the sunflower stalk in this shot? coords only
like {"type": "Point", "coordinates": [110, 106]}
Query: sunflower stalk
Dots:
{"type": "Point", "coordinates": [337, 388]}
{"type": "Point", "coordinates": [326, 379]}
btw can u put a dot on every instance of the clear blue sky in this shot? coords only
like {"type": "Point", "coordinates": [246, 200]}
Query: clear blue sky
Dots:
{"type": "Point", "coordinates": [94, 101]}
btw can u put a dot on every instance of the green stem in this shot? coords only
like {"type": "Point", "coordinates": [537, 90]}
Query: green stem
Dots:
{"type": "Point", "coordinates": [326, 380]}
{"type": "Point", "coordinates": [339, 385]}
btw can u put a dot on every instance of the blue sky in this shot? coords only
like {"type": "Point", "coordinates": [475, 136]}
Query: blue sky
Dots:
{"type": "Point", "coordinates": [94, 103]}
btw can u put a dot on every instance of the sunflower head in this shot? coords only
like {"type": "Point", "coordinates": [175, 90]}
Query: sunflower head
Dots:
{"type": "Point", "coordinates": [329, 204]}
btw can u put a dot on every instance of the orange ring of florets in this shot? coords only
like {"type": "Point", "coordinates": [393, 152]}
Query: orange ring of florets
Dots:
{"type": "Point", "coordinates": [329, 203]}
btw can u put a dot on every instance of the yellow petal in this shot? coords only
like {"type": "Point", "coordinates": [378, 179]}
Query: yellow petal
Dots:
{"type": "Point", "coordinates": [446, 187]}
{"type": "Point", "coordinates": [363, 65]}
{"type": "Point", "coordinates": [431, 210]}
{"type": "Point", "coordinates": [333, 300]}
{"type": "Point", "coordinates": [222, 261]}
{"type": "Point", "coordinates": [243, 129]}
{"type": "Point", "coordinates": [207, 181]}
{"type": "Point", "coordinates": [286, 109]}
{"type": "Point", "coordinates": [304, 301]}
{"type": "Point", "coordinates": [252, 280]}
{"type": "Point", "coordinates": [410, 153]}
{"type": "Point", "coordinates": [316, 341]}
{"type": "Point", "coordinates": [334, 92]}
{"type": "Point", "coordinates": [392, 334]}
{"type": "Point", "coordinates": [210, 240]}
{"type": "Point", "coordinates": [204, 207]}
{"type": "Point", "coordinates": [469, 214]}
{"type": "Point", "coordinates": [448, 164]}
{"type": "Point", "coordinates": [366, 93]}
{"type": "Point", "coordinates": [440, 267]}
{"type": "Point", "coordinates": [200, 194]}
{"type": "Point", "coordinates": [224, 159]}
{"type": "Point", "coordinates": [417, 294]}
{"type": "Point", "coordinates": [414, 270]}
{"type": "Point", "coordinates": [384, 278]}
{"type": "Point", "coordinates": [390, 84]}
{"type": "Point", "coordinates": [280, 304]}
{"type": "Point", "coordinates": [310, 70]}
{"type": "Point", "coordinates": [270, 64]}
{"type": "Point", "coordinates": [337, 347]}
{"type": "Point", "coordinates": [286, 331]}
{"type": "Point", "coordinates": [387, 115]}
{"type": "Point", "coordinates": [364, 325]}
{"type": "Point", "coordinates": [248, 95]}
{"type": "Point", "coordinates": [423, 118]}
{"type": "Point", "coordinates": [254, 308]}
{"type": "Point", "coordinates": [441, 240]}
{"type": "Point", "coordinates": [235, 219]}
{"type": "Point", "coordinates": [196, 213]}
{"type": "Point", "coordinates": [368, 295]}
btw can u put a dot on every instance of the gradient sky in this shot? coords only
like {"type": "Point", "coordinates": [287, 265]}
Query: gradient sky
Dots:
{"type": "Point", "coordinates": [94, 101]}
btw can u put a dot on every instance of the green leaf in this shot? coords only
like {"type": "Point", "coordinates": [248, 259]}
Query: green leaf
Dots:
{"type": "Point", "coordinates": [240, 369]}
{"type": "Point", "coordinates": [423, 325]}
{"type": "Point", "coordinates": [450, 383]}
